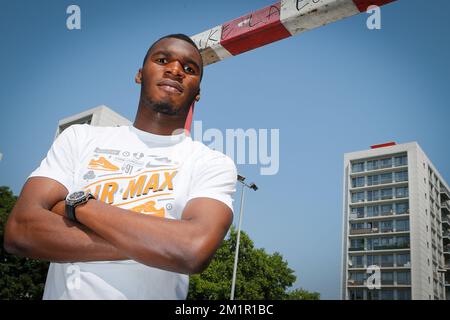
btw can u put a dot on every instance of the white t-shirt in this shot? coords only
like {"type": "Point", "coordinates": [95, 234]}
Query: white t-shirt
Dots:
{"type": "Point", "coordinates": [139, 171]}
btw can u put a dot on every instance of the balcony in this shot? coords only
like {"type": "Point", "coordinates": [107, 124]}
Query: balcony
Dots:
{"type": "Point", "coordinates": [356, 249]}
{"type": "Point", "coordinates": [445, 206]}
{"type": "Point", "coordinates": [381, 184]}
{"type": "Point", "coordinates": [369, 231]}
{"type": "Point", "coordinates": [445, 193]}
{"type": "Point", "coordinates": [363, 231]}
{"type": "Point", "coordinates": [392, 247]}
{"type": "Point", "coordinates": [352, 282]}
{"type": "Point", "coordinates": [446, 220]}
{"type": "Point", "coordinates": [353, 216]}
{"type": "Point", "coordinates": [447, 249]}
{"type": "Point", "coordinates": [446, 235]}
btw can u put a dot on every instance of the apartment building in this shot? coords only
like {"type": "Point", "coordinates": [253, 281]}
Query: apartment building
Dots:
{"type": "Point", "coordinates": [100, 116]}
{"type": "Point", "coordinates": [396, 241]}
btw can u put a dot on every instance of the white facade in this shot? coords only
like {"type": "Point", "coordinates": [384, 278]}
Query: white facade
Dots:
{"type": "Point", "coordinates": [101, 116]}
{"type": "Point", "coordinates": [395, 216]}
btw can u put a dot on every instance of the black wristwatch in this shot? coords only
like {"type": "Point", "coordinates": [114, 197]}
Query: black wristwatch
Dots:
{"type": "Point", "coordinates": [75, 199]}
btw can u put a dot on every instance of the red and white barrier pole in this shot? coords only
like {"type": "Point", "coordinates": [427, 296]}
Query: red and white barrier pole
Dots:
{"type": "Point", "coordinates": [273, 23]}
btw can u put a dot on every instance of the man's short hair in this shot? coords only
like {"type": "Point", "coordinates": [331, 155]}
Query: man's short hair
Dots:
{"type": "Point", "coordinates": [180, 36]}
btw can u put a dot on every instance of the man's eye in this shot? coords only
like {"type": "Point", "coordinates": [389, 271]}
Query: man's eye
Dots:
{"type": "Point", "coordinates": [161, 60]}
{"type": "Point", "coordinates": [189, 70]}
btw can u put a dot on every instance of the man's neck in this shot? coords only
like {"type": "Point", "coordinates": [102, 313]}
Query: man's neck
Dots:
{"type": "Point", "coordinates": [158, 123]}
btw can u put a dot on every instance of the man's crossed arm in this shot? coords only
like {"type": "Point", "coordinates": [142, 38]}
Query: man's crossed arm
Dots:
{"type": "Point", "coordinates": [109, 233]}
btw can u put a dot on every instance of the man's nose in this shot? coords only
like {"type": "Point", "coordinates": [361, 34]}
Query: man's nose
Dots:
{"type": "Point", "coordinates": [175, 68]}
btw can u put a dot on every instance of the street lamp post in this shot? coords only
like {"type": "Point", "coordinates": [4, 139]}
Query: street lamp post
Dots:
{"type": "Point", "coordinates": [241, 213]}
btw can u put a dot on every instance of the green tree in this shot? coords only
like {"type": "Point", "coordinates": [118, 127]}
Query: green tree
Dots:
{"type": "Point", "coordinates": [302, 294]}
{"type": "Point", "coordinates": [260, 276]}
{"type": "Point", "coordinates": [20, 278]}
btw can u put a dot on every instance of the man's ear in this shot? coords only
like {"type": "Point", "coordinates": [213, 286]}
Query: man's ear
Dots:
{"type": "Point", "coordinates": [138, 77]}
{"type": "Point", "coordinates": [197, 97]}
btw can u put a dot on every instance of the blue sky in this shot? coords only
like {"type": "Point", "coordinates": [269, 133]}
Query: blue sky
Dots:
{"type": "Point", "coordinates": [332, 90]}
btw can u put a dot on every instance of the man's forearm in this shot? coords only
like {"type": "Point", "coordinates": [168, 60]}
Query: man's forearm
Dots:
{"type": "Point", "coordinates": [53, 238]}
{"type": "Point", "coordinates": [162, 243]}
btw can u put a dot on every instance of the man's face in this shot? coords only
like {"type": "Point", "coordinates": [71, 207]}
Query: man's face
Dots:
{"type": "Point", "coordinates": [170, 77]}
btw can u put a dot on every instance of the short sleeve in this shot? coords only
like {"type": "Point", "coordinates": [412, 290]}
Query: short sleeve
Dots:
{"type": "Point", "coordinates": [215, 178]}
{"type": "Point", "coordinates": [59, 164]}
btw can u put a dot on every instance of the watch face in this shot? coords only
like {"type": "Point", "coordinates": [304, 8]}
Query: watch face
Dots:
{"type": "Point", "coordinates": [76, 196]}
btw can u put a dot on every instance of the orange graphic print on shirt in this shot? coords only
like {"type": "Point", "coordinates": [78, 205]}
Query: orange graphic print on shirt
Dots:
{"type": "Point", "coordinates": [149, 192]}
{"type": "Point", "coordinates": [102, 164]}
{"type": "Point", "coordinates": [149, 208]}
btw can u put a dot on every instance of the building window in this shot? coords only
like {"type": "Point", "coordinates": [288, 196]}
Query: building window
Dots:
{"type": "Point", "coordinates": [386, 243]}
{"type": "Point", "coordinates": [386, 209]}
{"type": "Point", "coordinates": [372, 165]}
{"type": "Point", "coordinates": [357, 277]}
{"type": "Point", "coordinates": [357, 244]}
{"type": "Point", "coordinates": [357, 226]}
{"type": "Point", "coordinates": [403, 277]}
{"type": "Point", "coordinates": [373, 260]}
{"type": "Point", "coordinates": [357, 262]}
{"type": "Point", "coordinates": [387, 261]}
{"type": "Point", "coordinates": [402, 207]}
{"type": "Point", "coordinates": [381, 243]}
{"type": "Point", "coordinates": [373, 295]}
{"type": "Point", "coordinates": [373, 195]}
{"type": "Point", "coordinates": [386, 177]}
{"type": "Point", "coordinates": [359, 211]}
{"type": "Point", "coordinates": [402, 225]}
{"type": "Point", "coordinates": [401, 192]}
{"type": "Point", "coordinates": [358, 182]}
{"type": "Point", "coordinates": [373, 180]}
{"type": "Point", "coordinates": [358, 167]}
{"type": "Point", "coordinates": [402, 242]}
{"type": "Point", "coordinates": [386, 193]}
{"type": "Point", "coordinates": [372, 211]}
{"type": "Point", "coordinates": [357, 197]}
{"type": "Point", "coordinates": [387, 294]}
{"type": "Point", "coordinates": [403, 294]}
{"type": "Point", "coordinates": [401, 161]}
{"type": "Point", "coordinates": [386, 226]}
{"type": "Point", "coordinates": [387, 277]}
{"type": "Point", "coordinates": [403, 260]}
{"type": "Point", "coordinates": [401, 176]}
{"type": "Point", "coordinates": [356, 294]}
{"type": "Point", "coordinates": [386, 163]}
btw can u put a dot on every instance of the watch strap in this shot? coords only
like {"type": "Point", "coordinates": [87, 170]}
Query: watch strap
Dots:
{"type": "Point", "coordinates": [70, 212]}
